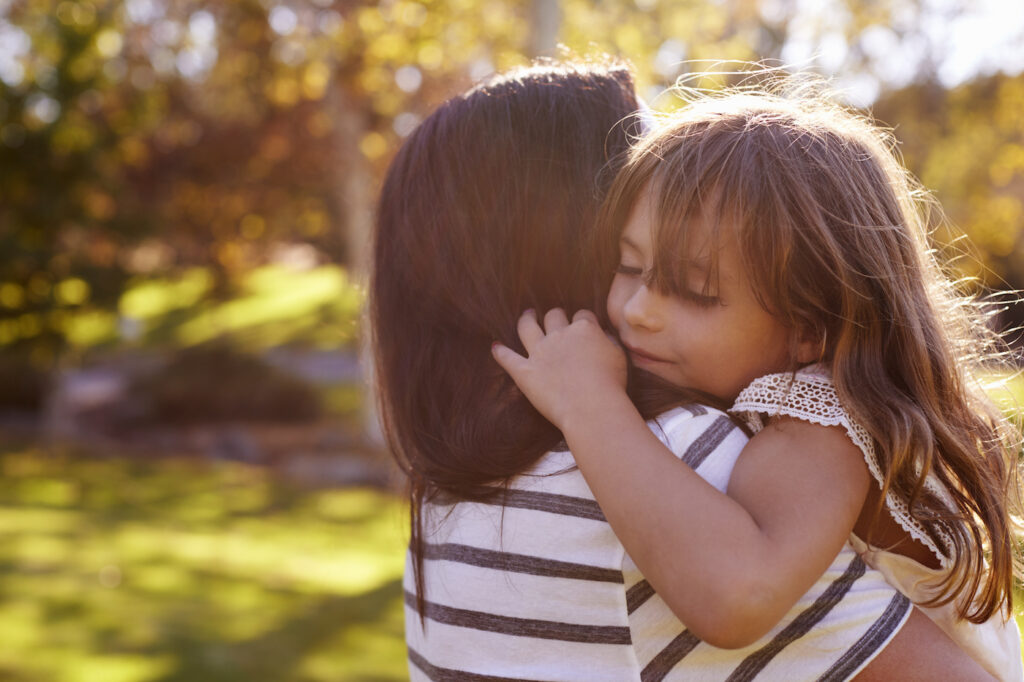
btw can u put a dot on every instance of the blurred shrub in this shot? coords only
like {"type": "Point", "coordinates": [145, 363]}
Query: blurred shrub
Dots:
{"type": "Point", "coordinates": [23, 385]}
{"type": "Point", "coordinates": [215, 382]}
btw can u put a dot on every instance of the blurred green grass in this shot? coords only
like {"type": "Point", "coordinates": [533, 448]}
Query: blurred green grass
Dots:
{"type": "Point", "coordinates": [268, 306]}
{"type": "Point", "coordinates": [120, 570]}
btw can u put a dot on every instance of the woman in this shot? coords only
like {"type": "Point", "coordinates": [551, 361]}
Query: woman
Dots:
{"type": "Point", "coordinates": [513, 572]}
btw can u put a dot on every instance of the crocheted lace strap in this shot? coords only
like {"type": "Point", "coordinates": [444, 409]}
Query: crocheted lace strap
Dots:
{"type": "Point", "coordinates": [809, 394]}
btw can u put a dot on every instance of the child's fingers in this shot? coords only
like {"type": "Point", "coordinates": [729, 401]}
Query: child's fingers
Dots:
{"type": "Point", "coordinates": [530, 332]}
{"type": "Point", "coordinates": [555, 319]}
{"type": "Point", "coordinates": [509, 360]}
{"type": "Point", "coordinates": [584, 314]}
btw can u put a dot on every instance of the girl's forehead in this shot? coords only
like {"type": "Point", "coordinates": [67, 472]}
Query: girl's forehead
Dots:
{"type": "Point", "coordinates": [710, 246]}
{"type": "Point", "coordinates": [694, 228]}
{"type": "Point", "coordinates": [695, 240]}
{"type": "Point", "coordinates": [641, 226]}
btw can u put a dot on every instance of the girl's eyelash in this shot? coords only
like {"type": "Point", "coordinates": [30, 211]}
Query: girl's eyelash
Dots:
{"type": "Point", "coordinates": [701, 300]}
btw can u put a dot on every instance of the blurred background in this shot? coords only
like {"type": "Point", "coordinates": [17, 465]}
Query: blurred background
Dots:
{"type": "Point", "coordinates": [191, 486]}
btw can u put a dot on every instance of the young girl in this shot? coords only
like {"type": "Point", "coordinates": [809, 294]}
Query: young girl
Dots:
{"type": "Point", "coordinates": [772, 253]}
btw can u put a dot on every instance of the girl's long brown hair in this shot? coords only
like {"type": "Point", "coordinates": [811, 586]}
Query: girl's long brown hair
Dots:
{"type": "Point", "coordinates": [833, 234]}
{"type": "Point", "coordinates": [486, 211]}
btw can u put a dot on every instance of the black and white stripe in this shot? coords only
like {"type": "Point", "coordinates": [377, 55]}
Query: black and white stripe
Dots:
{"type": "Point", "coordinates": [519, 563]}
{"type": "Point", "coordinates": [522, 627]}
{"type": "Point", "coordinates": [849, 615]}
{"type": "Point", "coordinates": [564, 505]}
{"type": "Point", "coordinates": [868, 645]}
{"type": "Point", "coordinates": [802, 624]}
{"type": "Point", "coordinates": [708, 441]}
{"type": "Point", "coordinates": [438, 674]}
{"type": "Point", "coordinates": [660, 666]}
{"type": "Point", "coordinates": [637, 595]}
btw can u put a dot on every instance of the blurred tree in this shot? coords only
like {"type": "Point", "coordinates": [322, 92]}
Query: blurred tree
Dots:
{"type": "Point", "coordinates": [967, 146]}
{"type": "Point", "coordinates": [545, 19]}
{"type": "Point", "coordinates": [68, 138]}
{"type": "Point", "coordinates": [142, 136]}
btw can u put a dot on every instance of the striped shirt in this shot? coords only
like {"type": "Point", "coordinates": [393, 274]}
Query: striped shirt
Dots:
{"type": "Point", "coordinates": [536, 586]}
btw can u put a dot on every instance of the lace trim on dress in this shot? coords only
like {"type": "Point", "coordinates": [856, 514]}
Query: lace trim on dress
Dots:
{"type": "Point", "coordinates": [809, 394]}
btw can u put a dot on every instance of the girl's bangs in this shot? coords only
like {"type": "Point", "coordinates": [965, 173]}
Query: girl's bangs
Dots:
{"type": "Point", "coordinates": [703, 195]}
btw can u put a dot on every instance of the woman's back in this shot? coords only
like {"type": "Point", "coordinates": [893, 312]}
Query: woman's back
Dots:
{"type": "Point", "coordinates": [527, 587]}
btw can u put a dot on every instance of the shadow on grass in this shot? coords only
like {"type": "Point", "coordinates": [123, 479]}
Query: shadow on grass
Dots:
{"type": "Point", "coordinates": [282, 653]}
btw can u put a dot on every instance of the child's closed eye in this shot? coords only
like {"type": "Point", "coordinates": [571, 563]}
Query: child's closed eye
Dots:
{"type": "Point", "coordinates": [701, 300]}
{"type": "Point", "coordinates": [628, 270]}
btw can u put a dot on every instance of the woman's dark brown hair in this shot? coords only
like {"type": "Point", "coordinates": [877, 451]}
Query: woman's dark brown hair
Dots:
{"type": "Point", "coordinates": [485, 212]}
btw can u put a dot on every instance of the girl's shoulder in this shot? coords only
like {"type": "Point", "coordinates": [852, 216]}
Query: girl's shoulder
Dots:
{"type": "Point", "coordinates": [809, 394]}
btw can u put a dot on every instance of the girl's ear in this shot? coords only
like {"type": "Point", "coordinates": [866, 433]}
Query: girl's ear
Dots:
{"type": "Point", "coordinates": [810, 345]}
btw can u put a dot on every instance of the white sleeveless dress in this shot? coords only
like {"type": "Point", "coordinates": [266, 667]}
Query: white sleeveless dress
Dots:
{"type": "Point", "coordinates": [810, 395]}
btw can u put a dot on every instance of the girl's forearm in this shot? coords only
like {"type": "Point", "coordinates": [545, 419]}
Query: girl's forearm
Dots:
{"type": "Point", "coordinates": [693, 544]}
{"type": "Point", "coordinates": [705, 554]}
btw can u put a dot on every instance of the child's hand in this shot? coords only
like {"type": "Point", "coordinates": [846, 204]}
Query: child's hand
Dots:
{"type": "Point", "coordinates": [570, 368]}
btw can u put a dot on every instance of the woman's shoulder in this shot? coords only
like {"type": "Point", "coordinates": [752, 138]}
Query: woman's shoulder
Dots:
{"type": "Point", "coordinates": [691, 422]}
{"type": "Point", "coordinates": [706, 439]}
{"type": "Point", "coordinates": [556, 461]}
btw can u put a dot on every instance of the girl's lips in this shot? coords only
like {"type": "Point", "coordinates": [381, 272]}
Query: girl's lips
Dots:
{"type": "Point", "coordinates": [643, 355]}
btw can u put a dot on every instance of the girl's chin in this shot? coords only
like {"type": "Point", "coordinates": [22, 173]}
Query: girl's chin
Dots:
{"type": "Point", "coordinates": [661, 370]}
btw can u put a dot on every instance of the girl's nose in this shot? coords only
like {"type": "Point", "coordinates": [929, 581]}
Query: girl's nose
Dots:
{"type": "Point", "coordinates": [641, 310]}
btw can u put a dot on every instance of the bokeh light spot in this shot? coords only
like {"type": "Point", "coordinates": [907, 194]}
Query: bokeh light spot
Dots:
{"type": "Point", "coordinates": [252, 226]}
{"type": "Point", "coordinates": [109, 43]}
{"type": "Point", "coordinates": [283, 20]}
{"type": "Point", "coordinates": [72, 291]}
{"type": "Point", "coordinates": [408, 78]}
{"type": "Point", "coordinates": [373, 146]}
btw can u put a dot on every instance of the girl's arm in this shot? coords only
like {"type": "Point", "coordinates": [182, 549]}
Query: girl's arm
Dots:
{"type": "Point", "coordinates": [729, 566]}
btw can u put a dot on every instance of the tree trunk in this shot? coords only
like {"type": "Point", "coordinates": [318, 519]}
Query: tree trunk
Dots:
{"type": "Point", "coordinates": [545, 19]}
{"type": "Point", "coordinates": [354, 196]}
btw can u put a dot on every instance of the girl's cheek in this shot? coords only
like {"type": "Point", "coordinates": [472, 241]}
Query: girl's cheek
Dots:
{"type": "Point", "coordinates": [613, 306]}
{"type": "Point", "coordinates": [613, 316]}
